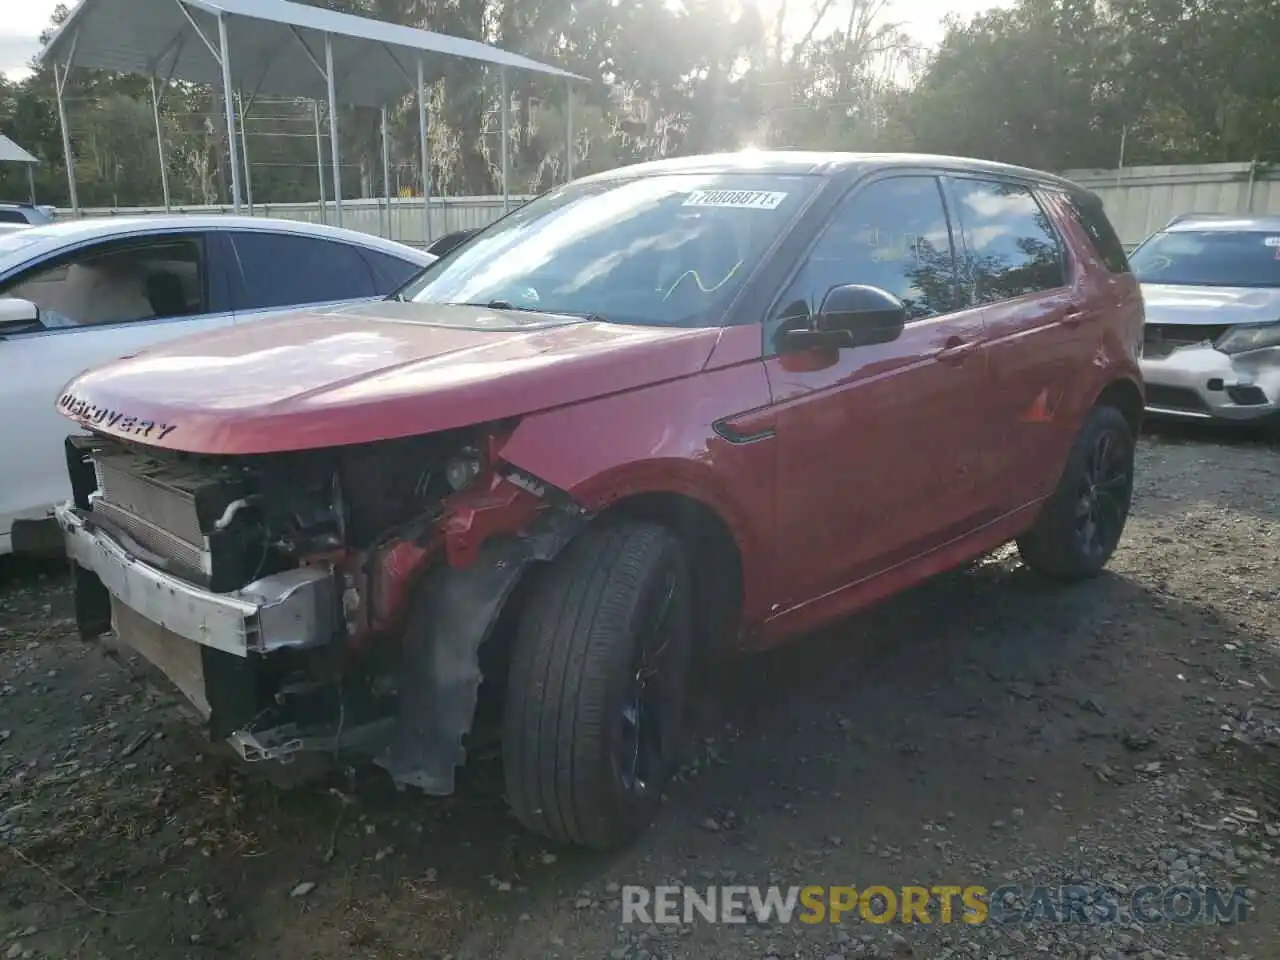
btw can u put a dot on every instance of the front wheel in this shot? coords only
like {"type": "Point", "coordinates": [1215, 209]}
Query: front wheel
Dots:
{"type": "Point", "coordinates": [596, 687]}
{"type": "Point", "coordinates": [1081, 524]}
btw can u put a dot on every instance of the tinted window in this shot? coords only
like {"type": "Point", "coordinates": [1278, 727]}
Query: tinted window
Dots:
{"type": "Point", "coordinates": [1102, 235]}
{"type": "Point", "coordinates": [1013, 249]}
{"type": "Point", "coordinates": [389, 273]}
{"type": "Point", "coordinates": [891, 234]}
{"type": "Point", "coordinates": [666, 250]}
{"type": "Point", "coordinates": [1210, 258]}
{"type": "Point", "coordinates": [282, 270]}
{"type": "Point", "coordinates": [117, 283]}
{"type": "Point", "coordinates": [12, 216]}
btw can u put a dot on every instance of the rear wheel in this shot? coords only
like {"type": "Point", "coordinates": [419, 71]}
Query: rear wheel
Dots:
{"type": "Point", "coordinates": [596, 687]}
{"type": "Point", "coordinates": [1082, 522]}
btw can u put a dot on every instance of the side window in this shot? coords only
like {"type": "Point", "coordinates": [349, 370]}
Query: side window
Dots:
{"type": "Point", "coordinates": [284, 270]}
{"type": "Point", "coordinates": [389, 273]}
{"type": "Point", "coordinates": [118, 283]}
{"type": "Point", "coordinates": [12, 216]}
{"type": "Point", "coordinates": [1012, 245]}
{"type": "Point", "coordinates": [891, 234]}
{"type": "Point", "coordinates": [1093, 218]}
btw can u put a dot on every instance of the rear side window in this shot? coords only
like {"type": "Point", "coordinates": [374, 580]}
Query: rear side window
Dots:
{"type": "Point", "coordinates": [389, 273]}
{"type": "Point", "coordinates": [1013, 249]}
{"type": "Point", "coordinates": [12, 216]}
{"type": "Point", "coordinates": [1102, 235]}
{"type": "Point", "coordinates": [282, 270]}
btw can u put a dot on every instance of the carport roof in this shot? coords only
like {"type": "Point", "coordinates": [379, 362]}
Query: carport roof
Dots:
{"type": "Point", "coordinates": [10, 152]}
{"type": "Point", "coordinates": [274, 47]}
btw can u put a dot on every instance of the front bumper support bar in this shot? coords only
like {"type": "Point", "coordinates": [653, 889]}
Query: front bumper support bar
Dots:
{"type": "Point", "coordinates": [293, 609]}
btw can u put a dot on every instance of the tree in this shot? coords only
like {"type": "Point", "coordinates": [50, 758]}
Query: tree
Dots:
{"type": "Point", "coordinates": [1048, 83]}
{"type": "Point", "coordinates": [1058, 83]}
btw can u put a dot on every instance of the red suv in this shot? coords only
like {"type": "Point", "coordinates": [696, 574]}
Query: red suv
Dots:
{"type": "Point", "coordinates": [678, 409]}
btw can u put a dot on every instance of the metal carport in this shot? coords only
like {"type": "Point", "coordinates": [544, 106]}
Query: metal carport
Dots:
{"type": "Point", "coordinates": [273, 47]}
{"type": "Point", "coordinates": [10, 152]}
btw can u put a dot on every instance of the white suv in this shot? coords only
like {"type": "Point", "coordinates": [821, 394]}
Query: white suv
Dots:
{"type": "Point", "coordinates": [1211, 345]}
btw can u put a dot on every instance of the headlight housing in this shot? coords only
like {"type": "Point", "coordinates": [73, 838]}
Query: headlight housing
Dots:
{"type": "Point", "coordinates": [1242, 339]}
{"type": "Point", "coordinates": [462, 468]}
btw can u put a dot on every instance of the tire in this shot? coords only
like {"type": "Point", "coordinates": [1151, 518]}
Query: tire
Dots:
{"type": "Point", "coordinates": [1082, 522]}
{"type": "Point", "coordinates": [597, 684]}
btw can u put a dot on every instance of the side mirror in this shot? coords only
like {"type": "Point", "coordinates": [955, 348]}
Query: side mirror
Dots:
{"type": "Point", "coordinates": [853, 315]}
{"type": "Point", "coordinates": [449, 242]}
{"type": "Point", "coordinates": [18, 316]}
{"type": "Point", "coordinates": [866, 314]}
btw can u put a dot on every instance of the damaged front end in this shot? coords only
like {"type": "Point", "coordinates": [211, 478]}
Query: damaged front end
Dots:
{"type": "Point", "coordinates": [314, 600]}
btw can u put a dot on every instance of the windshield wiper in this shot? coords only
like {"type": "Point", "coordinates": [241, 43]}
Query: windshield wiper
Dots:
{"type": "Point", "coordinates": [508, 305]}
{"type": "Point", "coordinates": [498, 305]}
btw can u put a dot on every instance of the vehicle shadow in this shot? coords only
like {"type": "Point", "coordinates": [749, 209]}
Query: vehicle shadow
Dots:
{"type": "Point", "coordinates": [940, 699]}
{"type": "Point", "coordinates": [923, 704]}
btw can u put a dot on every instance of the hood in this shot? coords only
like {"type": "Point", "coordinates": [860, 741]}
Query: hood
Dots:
{"type": "Point", "coordinates": [1175, 304]}
{"type": "Point", "coordinates": [372, 372]}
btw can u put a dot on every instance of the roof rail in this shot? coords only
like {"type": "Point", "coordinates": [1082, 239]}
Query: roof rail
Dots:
{"type": "Point", "coordinates": [1201, 216]}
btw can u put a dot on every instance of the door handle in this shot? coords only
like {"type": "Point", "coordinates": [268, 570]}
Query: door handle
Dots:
{"type": "Point", "coordinates": [956, 350]}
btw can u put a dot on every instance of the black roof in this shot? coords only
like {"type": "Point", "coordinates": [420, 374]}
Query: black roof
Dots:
{"type": "Point", "coordinates": [798, 162]}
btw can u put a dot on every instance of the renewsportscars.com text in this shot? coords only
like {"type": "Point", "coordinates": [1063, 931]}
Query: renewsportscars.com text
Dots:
{"type": "Point", "coordinates": [971, 904]}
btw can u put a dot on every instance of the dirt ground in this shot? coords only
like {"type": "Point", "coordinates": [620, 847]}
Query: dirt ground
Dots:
{"type": "Point", "coordinates": [985, 728]}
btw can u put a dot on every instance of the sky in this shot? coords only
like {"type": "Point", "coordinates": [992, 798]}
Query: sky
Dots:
{"type": "Point", "coordinates": [23, 20]}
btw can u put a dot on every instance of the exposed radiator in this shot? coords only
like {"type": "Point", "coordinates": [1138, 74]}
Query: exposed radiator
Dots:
{"type": "Point", "coordinates": [155, 491]}
{"type": "Point", "coordinates": [154, 538]}
{"type": "Point", "coordinates": [155, 503]}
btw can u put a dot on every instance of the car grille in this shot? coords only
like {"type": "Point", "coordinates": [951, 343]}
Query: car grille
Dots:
{"type": "Point", "coordinates": [152, 502]}
{"type": "Point", "coordinates": [1174, 398]}
{"type": "Point", "coordinates": [1161, 339]}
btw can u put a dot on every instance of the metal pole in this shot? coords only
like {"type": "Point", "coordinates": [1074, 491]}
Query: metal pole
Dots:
{"type": "Point", "coordinates": [31, 181]}
{"type": "Point", "coordinates": [568, 112]}
{"type": "Point", "coordinates": [164, 167]}
{"type": "Point", "coordinates": [59, 84]}
{"type": "Point", "coordinates": [426, 157]}
{"type": "Point", "coordinates": [324, 214]}
{"type": "Point", "coordinates": [506, 109]}
{"type": "Point", "coordinates": [386, 172]}
{"type": "Point", "coordinates": [333, 129]}
{"type": "Point", "coordinates": [244, 149]}
{"type": "Point", "coordinates": [1124, 136]}
{"type": "Point", "coordinates": [230, 104]}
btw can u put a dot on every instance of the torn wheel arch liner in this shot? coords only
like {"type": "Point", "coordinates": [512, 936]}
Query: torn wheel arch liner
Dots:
{"type": "Point", "coordinates": [454, 612]}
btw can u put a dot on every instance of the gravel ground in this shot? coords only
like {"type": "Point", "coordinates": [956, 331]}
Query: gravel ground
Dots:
{"type": "Point", "coordinates": [984, 729]}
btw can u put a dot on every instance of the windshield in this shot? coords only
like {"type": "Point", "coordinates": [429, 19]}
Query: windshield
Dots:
{"type": "Point", "coordinates": [1210, 258]}
{"type": "Point", "coordinates": [660, 250]}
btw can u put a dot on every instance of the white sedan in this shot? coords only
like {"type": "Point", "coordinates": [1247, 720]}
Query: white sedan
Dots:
{"type": "Point", "coordinates": [77, 294]}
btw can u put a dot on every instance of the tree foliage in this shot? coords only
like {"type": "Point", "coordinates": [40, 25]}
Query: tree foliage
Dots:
{"type": "Point", "coordinates": [1048, 83]}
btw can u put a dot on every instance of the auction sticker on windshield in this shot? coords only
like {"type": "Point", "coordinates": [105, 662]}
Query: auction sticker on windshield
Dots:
{"type": "Point", "coordinates": [743, 199]}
